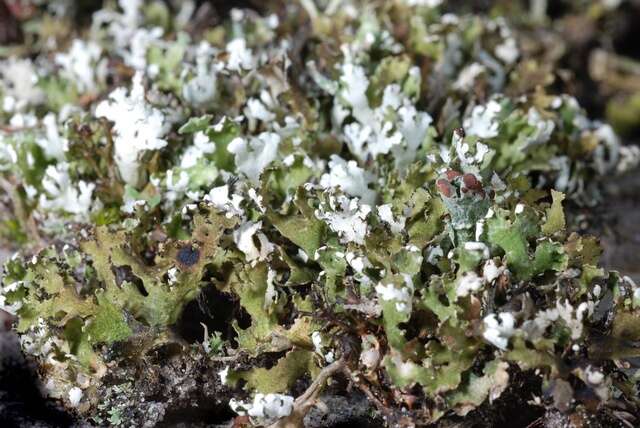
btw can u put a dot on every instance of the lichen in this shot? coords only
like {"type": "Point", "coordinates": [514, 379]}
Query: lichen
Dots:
{"type": "Point", "coordinates": [388, 199]}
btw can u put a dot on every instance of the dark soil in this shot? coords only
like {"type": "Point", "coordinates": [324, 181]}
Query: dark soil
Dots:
{"type": "Point", "coordinates": [21, 399]}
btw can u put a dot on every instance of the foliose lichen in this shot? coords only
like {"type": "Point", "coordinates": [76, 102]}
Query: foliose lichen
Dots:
{"type": "Point", "coordinates": [381, 192]}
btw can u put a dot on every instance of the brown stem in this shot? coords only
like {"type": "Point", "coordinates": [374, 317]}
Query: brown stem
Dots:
{"type": "Point", "coordinates": [308, 399]}
{"type": "Point", "coordinates": [367, 391]}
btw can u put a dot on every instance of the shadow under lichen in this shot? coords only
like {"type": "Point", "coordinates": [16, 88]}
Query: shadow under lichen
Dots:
{"type": "Point", "coordinates": [22, 398]}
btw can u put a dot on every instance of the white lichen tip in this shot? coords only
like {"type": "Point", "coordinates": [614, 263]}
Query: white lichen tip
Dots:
{"type": "Point", "coordinates": [138, 127]}
{"type": "Point", "coordinates": [223, 375]}
{"type": "Point", "coordinates": [352, 179]}
{"type": "Point", "coordinates": [347, 217]}
{"type": "Point", "coordinates": [386, 215]}
{"type": "Point", "coordinates": [483, 122]}
{"type": "Point", "coordinates": [594, 376]}
{"type": "Point", "coordinates": [75, 395]}
{"type": "Point", "coordinates": [253, 156]}
{"type": "Point", "coordinates": [62, 195]}
{"type": "Point", "coordinates": [498, 332]}
{"type": "Point", "coordinates": [243, 237]}
{"type": "Point", "coordinates": [400, 295]}
{"type": "Point", "coordinates": [491, 271]}
{"type": "Point", "coordinates": [469, 282]}
{"type": "Point", "coordinates": [264, 407]}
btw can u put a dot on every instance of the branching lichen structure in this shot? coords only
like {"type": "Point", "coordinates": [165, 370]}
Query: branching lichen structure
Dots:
{"type": "Point", "coordinates": [364, 195]}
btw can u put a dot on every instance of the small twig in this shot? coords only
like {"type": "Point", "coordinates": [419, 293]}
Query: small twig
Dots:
{"type": "Point", "coordinates": [225, 358]}
{"type": "Point", "coordinates": [236, 356]}
{"type": "Point", "coordinates": [367, 391]}
{"type": "Point", "coordinates": [317, 385]}
{"type": "Point", "coordinates": [308, 399]}
{"type": "Point", "coordinates": [536, 423]}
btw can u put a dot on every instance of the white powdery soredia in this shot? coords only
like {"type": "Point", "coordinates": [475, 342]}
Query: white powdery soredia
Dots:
{"type": "Point", "coordinates": [240, 58]}
{"type": "Point", "coordinates": [400, 295]}
{"type": "Point", "coordinates": [480, 247]}
{"type": "Point", "coordinates": [352, 179]}
{"type": "Point", "coordinates": [176, 185]}
{"type": "Point", "coordinates": [264, 407]}
{"type": "Point", "coordinates": [134, 51]}
{"type": "Point", "coordinates": [467, 77]}
{"type": "Point", "coordinates": [370, 135]}
{"type": "Point", "coordinates": [357, 137]}
{"type": "Point", "coordinates": [63, 195]}
{"type": "Point", "coordinates": [316, 338]}
{"type": "Point", "coordinates": [79, 64]}
{"type": "Point", "coordinates": [347, 218]}
{"type": "Point", "coordinates": [507, 51]}
{"type": "Point", "coordinates": [219, 198]}
{"type": "Point", "coordinates": [572, 317]}
{"type": "Point", "coordinates": [491, 271]}
{"type": "Point", "coordinates": [386, 215]}
{"type": "Point", "coordinates": [19, 81]}
{"type": "Point", "coordinates": [75, 395]}
{"type": "Point", "coordinates": [542, 128]}
{"type": "Point", "coordinates": [373, 133]}
{"type": "Point", "coordinates": [469, 283]}
{"type": "Point", "coordinates": [256, 109]}
{"type": "Point", "coordinates": [224, 373]}
{"type": "Point", "coordinates": [483, 122]}
{"type": "Point", "coordinates": [498, 332]}
{"type": "Point", "coordinates": [254, 156]}
{"type": "Point", "coordinates": [413, 126]}
{"type": "Point", "coordinates": [130, 39]}
{"type": "Point", "coordinates": [53, 144]}
{"type": "Point", "coordinates": [201, 89]}
{"type": "Point", "coordinates": [202, 146]}
{"type": "Point", "coordinates": [354, 92]}
{"type": "Point", "coordinates": [463, 150]}
{"type": "Point", "coordinates": [243, 237]}
{"type": "Point", "coordinates": [138, 128]}
{"type": "Point", "coordinates": [384, 137]}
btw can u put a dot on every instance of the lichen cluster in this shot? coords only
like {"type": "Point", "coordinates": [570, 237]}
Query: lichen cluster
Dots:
{"type": "Point", "coordinates": [380, 188]}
